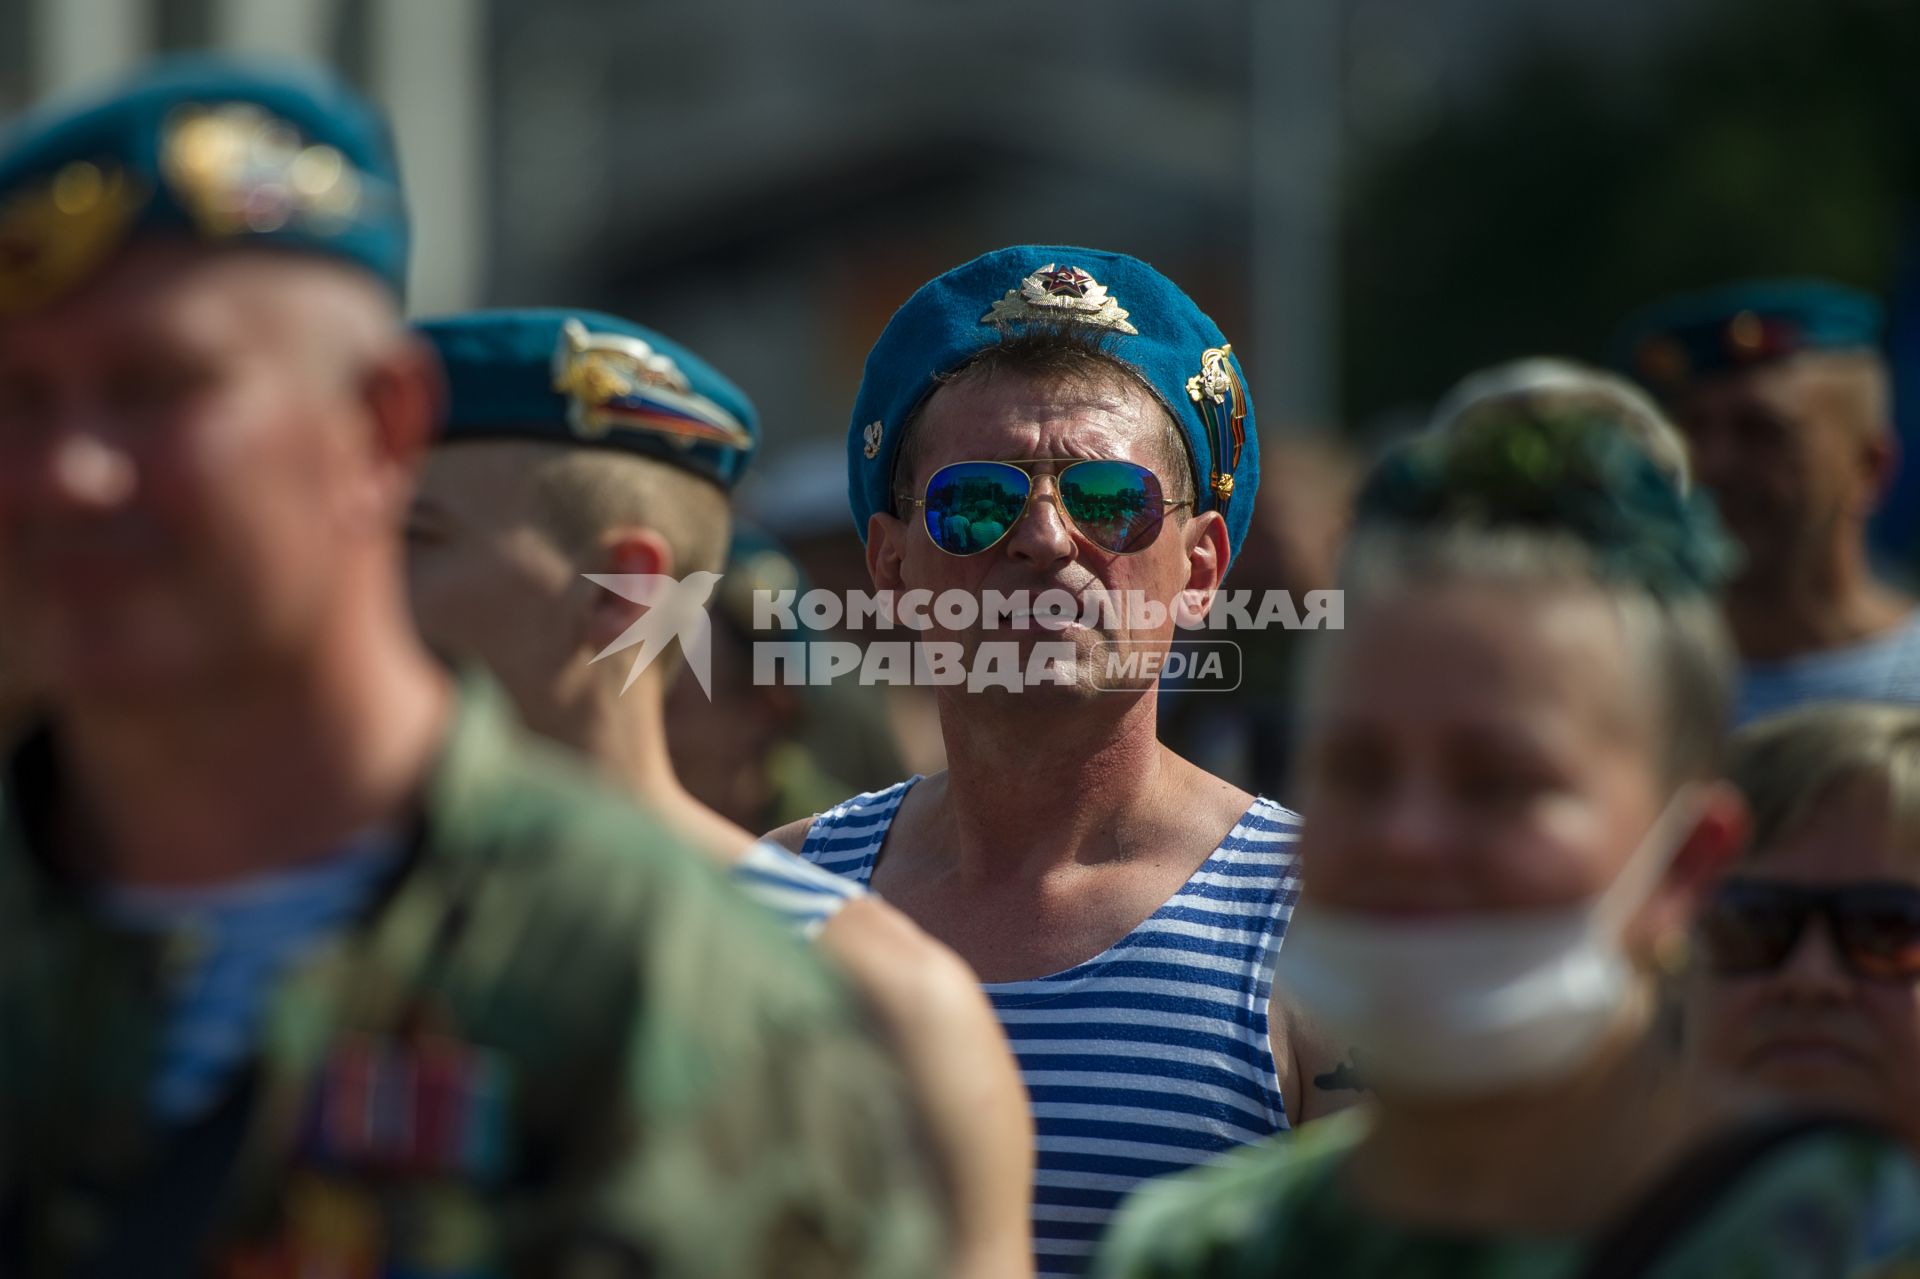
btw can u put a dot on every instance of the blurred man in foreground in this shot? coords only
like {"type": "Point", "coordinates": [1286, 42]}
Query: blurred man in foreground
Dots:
{"type": "Point", "coordinates": [1782, 394]}
{"type": "Point", "coordinates": [584, 474]}
{"type": "Point", "coordinates": [309, 964]}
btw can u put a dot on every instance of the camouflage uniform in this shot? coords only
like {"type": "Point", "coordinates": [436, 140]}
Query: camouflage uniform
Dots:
{"type": "Point", "coordinates": [1839, 1204]}
{"type": "Point", "coordinates": [556, 1044]}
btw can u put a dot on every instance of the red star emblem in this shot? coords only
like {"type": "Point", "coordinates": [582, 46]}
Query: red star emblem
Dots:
{"type": "Point", "coordinates": [1065, 281]}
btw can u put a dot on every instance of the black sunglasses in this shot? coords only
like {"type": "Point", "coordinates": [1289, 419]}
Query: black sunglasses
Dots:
{"type": "Point", "coordinates": [1752, 925]}
{"type": "Point", "coordinates": [1118, 506]}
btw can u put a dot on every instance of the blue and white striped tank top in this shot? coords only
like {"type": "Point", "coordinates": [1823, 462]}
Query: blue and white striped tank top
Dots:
{"type": "Point", "coordinates": [1150, 1057]}
{"type": "Point", "coordinates": [800, 893]}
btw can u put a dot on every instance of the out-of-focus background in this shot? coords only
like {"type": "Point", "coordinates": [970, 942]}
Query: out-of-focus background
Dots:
{"type": "Point", "coordinates": [1371, 196]}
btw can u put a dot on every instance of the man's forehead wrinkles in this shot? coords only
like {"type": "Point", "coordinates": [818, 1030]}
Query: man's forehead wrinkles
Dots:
{"type": "Point", "coordinates": [1020, 392]}
{"type": "Point", "coordinates": [1055, 438]}
{"type": "Point", "coordinates": [1113, 417]}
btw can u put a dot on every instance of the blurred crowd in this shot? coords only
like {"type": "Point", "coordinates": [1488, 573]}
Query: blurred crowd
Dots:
{"type": "Point", "coordinates": [425, 849]}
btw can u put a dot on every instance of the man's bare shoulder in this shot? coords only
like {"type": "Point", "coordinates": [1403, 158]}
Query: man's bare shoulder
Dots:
{"type": "Point", "coordinates": [792, 836]}
{"type": "Point", "coordinates": [869, 936]}
{"type": "Point", "coordinates": [918, 790]}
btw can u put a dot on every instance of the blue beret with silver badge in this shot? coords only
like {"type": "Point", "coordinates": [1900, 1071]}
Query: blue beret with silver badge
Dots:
{"type": "Point", "coordinates": [584, 378]}
{"type": "Point", "coordinates": [221, 150]}
{"type": "Point", "coordinates": [1145, 320]}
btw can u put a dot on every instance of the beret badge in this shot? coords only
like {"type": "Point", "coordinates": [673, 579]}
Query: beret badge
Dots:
{"type": "Point", "coordinates": [1060, 293]}
{"type": "Point", "coordinates": [872, 436]}
{"type": "Point", "coordinates": [1663, 361]}
{"type": "Point", "coordinates": [56, 233]}
{"type": "Point", "coordinates": [1222, 398]}
{"type": "Point", "coordinates": [612, 380]}
{"type": "Point", "coordinates": [240, 170]}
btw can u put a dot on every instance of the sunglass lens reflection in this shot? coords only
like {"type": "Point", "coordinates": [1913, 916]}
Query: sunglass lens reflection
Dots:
{"type": "Point", "coordinates": [1116, 505]}
{"type": "Point", "coordinates": [971, 505]}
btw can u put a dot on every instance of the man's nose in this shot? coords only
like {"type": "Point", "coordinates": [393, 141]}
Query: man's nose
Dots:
{"type": "Point", "coordinates": [1042, 535]}
{"type": "Point", "coordinates": [1813, 969]}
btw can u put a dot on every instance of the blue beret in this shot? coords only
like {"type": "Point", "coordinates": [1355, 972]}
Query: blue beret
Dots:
{"type": "Point", "coordinates": [1741, 325]}
{"type": "Point", "coordinates": [579, 377]}
{"type": "Point", "coordinates": [1147, 322]}
{"type": "Point", "coordinates": [228, 151]}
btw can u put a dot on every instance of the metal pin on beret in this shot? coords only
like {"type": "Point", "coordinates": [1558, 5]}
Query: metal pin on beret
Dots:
{"type": "Point", "coordinates": [584, 378]}
{"type": "Point", "coordinates": [1741, 325]}
{"type": "Point", "coordinates": [224, 150]}
{"type": "Point", "coordinates": [1149, 325]}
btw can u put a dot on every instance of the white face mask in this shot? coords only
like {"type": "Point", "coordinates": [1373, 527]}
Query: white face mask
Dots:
{"type": "Point", "coordinates": [1473, 1004]}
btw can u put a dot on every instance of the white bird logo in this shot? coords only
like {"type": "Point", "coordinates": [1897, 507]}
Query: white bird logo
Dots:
{"type": "Point", "coordinates": [675, 606]}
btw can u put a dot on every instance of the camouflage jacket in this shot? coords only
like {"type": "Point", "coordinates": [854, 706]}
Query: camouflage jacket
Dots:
{"type": "Point", "coordinates": [556, 1044]}
{"type": "Point", "coordinates": [1838, 1204]}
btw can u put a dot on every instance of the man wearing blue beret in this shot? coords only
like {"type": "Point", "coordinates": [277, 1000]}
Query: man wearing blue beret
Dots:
{"type": "Point", "coordinates": [1782, 393]}
{"type": "Point", "coordinates": [584, 473]}
{"type": "Point", "coordinates": [1053, 419]}
{"type": "Point", "coordinates": [310, 963]}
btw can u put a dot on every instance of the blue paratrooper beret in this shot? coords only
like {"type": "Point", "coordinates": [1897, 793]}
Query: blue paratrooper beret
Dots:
{"type": "Point", "coordinates": [1741, 325]}
{"type": "Point", "coordinates": [583, 378]}
{"type": "Point", "coordinates": [1145, 320]}
{"type": "Point", "coordinates": [224, 150]}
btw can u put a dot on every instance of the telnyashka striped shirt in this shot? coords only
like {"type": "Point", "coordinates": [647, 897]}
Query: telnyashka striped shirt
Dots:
{"type": "Point", "coordinates": [1150, 1057]}
{"type": "Point", "coordinates": [1885, 668]}
{"type": "Point", "coordinates": [800, 893]}
{"type": "Point", "coordinates": [241, 937]}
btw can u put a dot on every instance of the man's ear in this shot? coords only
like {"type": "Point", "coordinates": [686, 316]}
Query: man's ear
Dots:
{"type": "Point", "coordinates": [886, 542]}
{"type": "Point", "coordinates": [405, 392]}
{"type": "Point", "coordinates": [1880, 462]}
{"type": "Point", "coordinates": [623, 552]}
{"type": "Point", "coordinates": [1208, 553]}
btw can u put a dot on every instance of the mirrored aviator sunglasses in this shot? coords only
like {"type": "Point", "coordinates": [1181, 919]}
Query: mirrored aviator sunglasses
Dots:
{"type": "Point", "coordinates": [1752, 925]}
{"type": "Point", "coordinates": [1118, 506]}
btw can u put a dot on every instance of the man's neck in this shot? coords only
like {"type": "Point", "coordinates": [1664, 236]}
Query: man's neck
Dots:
{"type": "Point", "coordinates": [1556, 1161]}
{"type": "Point", "coordinates": [1046, 783]}
{"type": "Point", "coordinates": [626, 738]}
{"type": "Point", "coordinates": [1825, 603]}
{"type": "Point", "coordinates": [274, 767]}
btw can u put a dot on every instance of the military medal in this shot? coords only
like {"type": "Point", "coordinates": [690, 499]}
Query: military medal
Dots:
{"type": "Point", "coordinates": [426, 1105]}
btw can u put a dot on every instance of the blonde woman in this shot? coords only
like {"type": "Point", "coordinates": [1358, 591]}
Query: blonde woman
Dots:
{"type": "Point", "coordinates": [1512, 814]}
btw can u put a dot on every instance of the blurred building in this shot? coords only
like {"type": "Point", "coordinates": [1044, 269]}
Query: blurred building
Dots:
{"type": "Point", "coordinates": [768, 180]}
